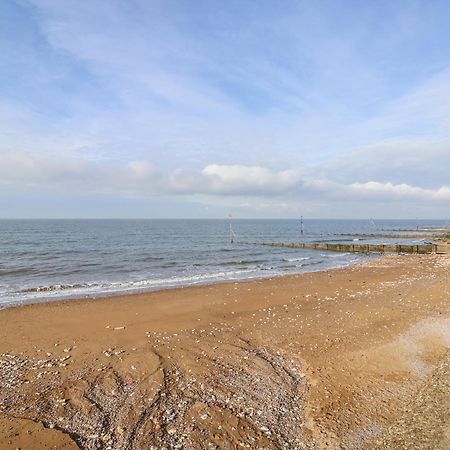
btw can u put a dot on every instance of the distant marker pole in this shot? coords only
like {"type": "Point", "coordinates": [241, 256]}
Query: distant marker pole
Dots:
{"type": "Point", "coordinates": [232, 235]}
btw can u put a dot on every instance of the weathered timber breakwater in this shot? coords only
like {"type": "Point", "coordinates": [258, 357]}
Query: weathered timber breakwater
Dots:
{"type": "Point", "coordinates": [364, 248]}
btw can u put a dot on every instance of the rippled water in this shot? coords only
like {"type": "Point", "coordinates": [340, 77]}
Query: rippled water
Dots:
{"type": "Point", "coordinates": [47, 259]}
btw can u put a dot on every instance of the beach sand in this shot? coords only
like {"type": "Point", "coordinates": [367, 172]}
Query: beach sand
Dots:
{"type": "Point", "coordinates": [348, 358]}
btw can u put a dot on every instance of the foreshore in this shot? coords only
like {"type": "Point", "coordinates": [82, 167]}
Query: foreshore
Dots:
{"type": "Point", "coordinates": [345, 358]}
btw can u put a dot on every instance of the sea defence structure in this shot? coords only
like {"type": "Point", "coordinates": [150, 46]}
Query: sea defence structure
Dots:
{"type": "Point", "coordinates": [364, 248]}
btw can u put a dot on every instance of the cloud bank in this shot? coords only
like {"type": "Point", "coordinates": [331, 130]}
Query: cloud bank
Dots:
{"type": "Point", "coordinates": [143, 179]}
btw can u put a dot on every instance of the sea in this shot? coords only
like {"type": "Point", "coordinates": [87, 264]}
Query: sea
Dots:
{"type": "Point", "coordinates": [43, 260]}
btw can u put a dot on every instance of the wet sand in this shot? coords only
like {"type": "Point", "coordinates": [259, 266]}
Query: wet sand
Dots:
{"type": "Point", "coordinates": [349, 358]}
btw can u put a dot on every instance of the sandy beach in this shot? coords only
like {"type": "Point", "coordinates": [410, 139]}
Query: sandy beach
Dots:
{"type": "Point", "coordinates": [349, 358]}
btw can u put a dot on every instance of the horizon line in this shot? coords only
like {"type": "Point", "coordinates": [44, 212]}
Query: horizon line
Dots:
{"type": "Point", "coordinates": [224, 218]}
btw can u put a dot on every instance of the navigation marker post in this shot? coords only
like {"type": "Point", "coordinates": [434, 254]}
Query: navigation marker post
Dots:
{"type": "Point", "coordinates": [232, 233]}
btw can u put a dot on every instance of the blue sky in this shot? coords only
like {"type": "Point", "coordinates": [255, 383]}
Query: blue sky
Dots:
{"type": "Point", "coordinates": [197, 108]}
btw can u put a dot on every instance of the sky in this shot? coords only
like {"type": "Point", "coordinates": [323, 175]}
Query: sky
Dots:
{"type": "Point", "coordinates": [262, 108]}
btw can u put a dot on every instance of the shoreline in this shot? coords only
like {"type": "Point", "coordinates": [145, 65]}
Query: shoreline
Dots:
{"type": "Point", "coordinates": [333, 356]}
{"type": "Point", "coordinates": [142, 291]}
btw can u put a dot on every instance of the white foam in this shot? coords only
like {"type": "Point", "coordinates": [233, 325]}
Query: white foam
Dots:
{"type": "Point", "coordinates": [304, 258]}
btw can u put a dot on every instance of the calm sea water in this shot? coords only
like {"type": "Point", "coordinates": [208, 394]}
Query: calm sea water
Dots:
{"type": "Point", "coordinates": [52, 259]}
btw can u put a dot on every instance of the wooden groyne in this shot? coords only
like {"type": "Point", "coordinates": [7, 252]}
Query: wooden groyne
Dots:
{"type": "Point", "coordinates": [363, 248]}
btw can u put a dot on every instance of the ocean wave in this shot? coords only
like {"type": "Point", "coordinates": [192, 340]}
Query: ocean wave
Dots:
{"type": "Point", "coordinates": [19, 271]}
{"type": "Point", "coordinates": [187, 279]}
{"type": "Point", "coordinates": [167, 265]}
{"type": "Point", "coordinates": [334, 255]}
{"type": "Point", "coordinates": [58, 287]}
{"type": "Point", "coordinates": [151, 258]}
{"type": "Point", "coordinates": [241, 262]}
{"type": "Point", "coordinates": [289, 266]}
{"type": "Point", "coordinates": [303, 258]}
{"type": "Point", "coordinates": [314, 262]}
{"type": "Point", "coordinates": [129, 285]}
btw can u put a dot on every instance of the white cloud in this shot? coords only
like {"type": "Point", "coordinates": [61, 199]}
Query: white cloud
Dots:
{"type": "Point", "coordinates": [141, 178]}
{"type": "Point", "coordinates": [236, 179]}
{"type": "Point", "coordinates": [389, 192]}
